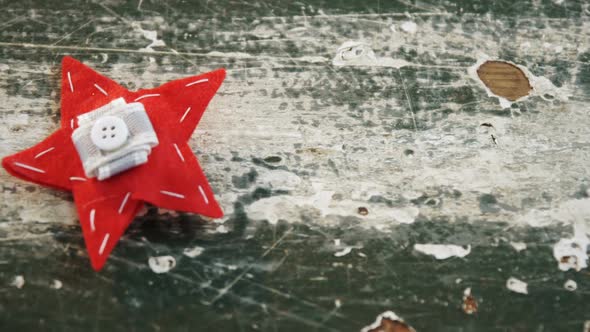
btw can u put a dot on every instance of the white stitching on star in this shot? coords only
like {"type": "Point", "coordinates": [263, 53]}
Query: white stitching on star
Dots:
{"type": "Point", "coordinates": [92, 214]}
{"type": "Point", "coordinates": [104, 243]}
{"type": "Point", "coordinates": [147, 96]}
{"type": "Point", "coordinates": [178, 151]}
{"type": "Point", "coordinates": [77, 178]}
{"type": "Point", "coordinates": [100, 89]}
{"type": "Point", "coordinates": [170, 193]}
{"type": "Point", "coordinates": [43, 152]}
{"type": "Point", "coordinates": [70, 79]}
{"type": "Point", "coordinates": [35, 169]}
{"type": "Point", "coordinates": [185, 114]}
{"type": "Point", "coordinates": [124, 202]}
{"type": "Point", "coordinates": [203, 194]}
{"type": "Point", "coordinates": [197, 82]}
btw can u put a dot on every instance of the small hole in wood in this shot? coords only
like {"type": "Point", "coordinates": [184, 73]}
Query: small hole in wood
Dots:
{"type": "Point", "coordinates": [273, 159]}
{"type": "Point", "coordinates": [363, 211]}
{"type": "Point", "coordinates": [409, 152]}
{"type": "Point", "coordinates": [469, 305]}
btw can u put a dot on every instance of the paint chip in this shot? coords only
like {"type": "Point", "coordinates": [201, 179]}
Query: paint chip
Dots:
{"type": "Point", "coordinates": [443, 251]}
{"type": "Point", "coordinates": [409, 27]}
{"type": "Point", "coordinates": [517, 286]}
{"type": "Point", "coordinates": [504, 79]}
{"type": "Point", "coordinates": [221, 229]}
{"type": "Point", "coordinates": [570, 285]}
{"type": "Point", "coordinates": [193, 252]}
{"type": "Point", "coordinates": [469, 305]}
{"type": "Point", "coordinates": [356, 53]}
{"type": "Point", "coordinates": [161, 264]}
{"type": "Point", "coordinates": [388, 322]}
{"type": "Point", "coordinates": [343, 252]}
{"type": "Point", "coordinates": [572, 253]}
{"type": "Point", "coordinates": [56, 284]}
{"type": "Point", "coordinates": [518, 246]}
{"type": "Point", "coordinates": [18, 282]}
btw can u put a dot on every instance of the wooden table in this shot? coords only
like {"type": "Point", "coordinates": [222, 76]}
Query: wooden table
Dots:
{"type": "Point", "coordinates": [309, 158]}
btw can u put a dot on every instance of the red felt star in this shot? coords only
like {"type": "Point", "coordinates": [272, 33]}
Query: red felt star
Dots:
{"type": "Point", "coordinates": [171, 179]}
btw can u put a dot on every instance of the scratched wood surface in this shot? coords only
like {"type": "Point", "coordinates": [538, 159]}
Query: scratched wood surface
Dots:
{"type": "Point", "coordinates": [402, 148]}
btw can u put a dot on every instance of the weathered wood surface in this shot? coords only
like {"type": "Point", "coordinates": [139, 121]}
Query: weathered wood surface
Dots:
{"type": "Point", "coordinates": [293, 138]}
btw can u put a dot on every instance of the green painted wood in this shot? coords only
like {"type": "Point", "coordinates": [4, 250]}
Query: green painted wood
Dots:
{"type": "Point", "coordinates": [387, 139]}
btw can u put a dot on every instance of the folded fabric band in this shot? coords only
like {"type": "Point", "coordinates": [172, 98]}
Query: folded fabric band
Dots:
{"type": "Point", "coordinates": [134, 152]}
{"type": "Point", "coordinates": [120, 165]}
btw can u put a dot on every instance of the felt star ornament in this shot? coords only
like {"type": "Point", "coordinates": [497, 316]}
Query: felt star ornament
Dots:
{"type": "Point", "coordinates": [116, 149]}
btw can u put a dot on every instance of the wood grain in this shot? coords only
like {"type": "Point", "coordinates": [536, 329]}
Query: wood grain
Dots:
{"type": "Point", "coordinates": [504, 79]}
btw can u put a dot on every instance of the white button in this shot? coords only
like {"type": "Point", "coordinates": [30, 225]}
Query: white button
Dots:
{"type": "Point", "coordinates": [109, 133]}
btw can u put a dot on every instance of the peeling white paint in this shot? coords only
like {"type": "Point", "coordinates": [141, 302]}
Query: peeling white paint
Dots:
{"type": "Point", "coordinates": [572, 253]}
{"type": "Point", "coordinates": [343, 252]}
{"type": "Point", "coordinates": [337, 303]}
{"type": "Point", "coordinates": [18, 281]}
{"type": "Point", "coordinates": [193, 252]}
{"type": "Point", "coordinates": [385, 315]}
{"type": "Point", "coordinates": [354, 53]}
{"type": "Point", "coordinates": [467, 292]}
{"type": "Point", "coordinates": [322, 204]}
{"type": "Point", "coordinates": [56, 284]}
{"type": "Point", "coordinates": [149, 35]}
{"type": "Point", "coordinates": [279, 180]}
{"type": "Point", "coordinates": [517, 286]}
{"type": "Point", "coordinates": [518, 246]}
{"type": "Point", "coordinates": [409, 27]}
{"type": "Point", "coordinates": [566, 212]}
{"type": "Point", "coordinates": [406, 215]}
{"type": "Point", "coordinates": [162, 264]}
{"type": "Point", "coordinates": [443, 251]}
{"type": "Point", "coordinates": [570, 285]}
{"type": "Point", "coordinates": [221, 229]}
